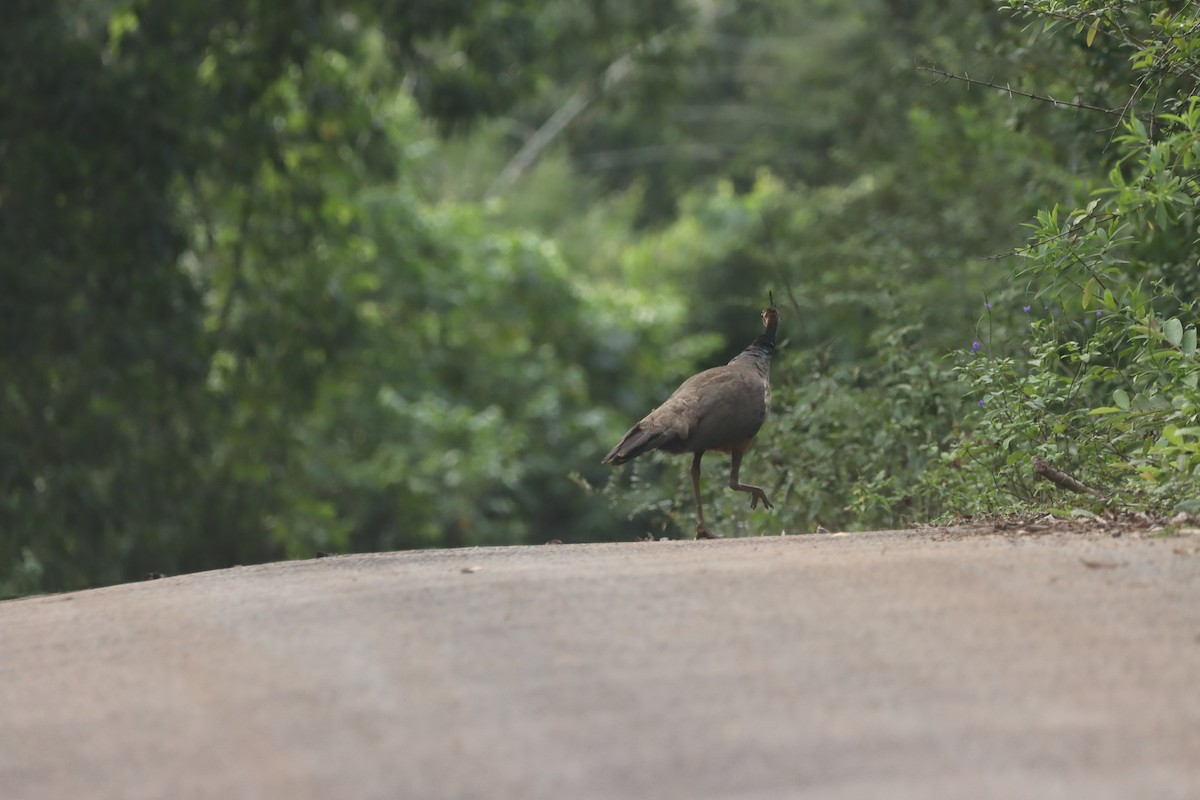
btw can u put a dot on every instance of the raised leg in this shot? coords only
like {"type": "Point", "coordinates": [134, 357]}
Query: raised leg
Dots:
{"type": "Point", "coordinates": [756, 493]}
{"type": "Point", "coordinates": [702, 531]}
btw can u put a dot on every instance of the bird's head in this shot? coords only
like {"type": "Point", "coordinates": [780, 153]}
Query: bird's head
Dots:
{"type": "Point", "coordinates": [770, 319]}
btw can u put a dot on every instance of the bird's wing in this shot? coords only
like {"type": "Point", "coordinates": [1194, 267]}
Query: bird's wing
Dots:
{"type": "Point", "coordinates": [727, 408]}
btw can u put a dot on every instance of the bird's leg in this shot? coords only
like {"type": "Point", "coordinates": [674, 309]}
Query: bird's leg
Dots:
{"type": "Point", "coordinates": [756, 493]}
{"type": "Point", "coordinates": [702, 531]}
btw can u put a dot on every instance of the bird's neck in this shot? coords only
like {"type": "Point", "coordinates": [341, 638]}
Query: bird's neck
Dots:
{"type": "Point", "coordinates": [763, 347]}
{"type": "Point", "coordinates": [759, 353]}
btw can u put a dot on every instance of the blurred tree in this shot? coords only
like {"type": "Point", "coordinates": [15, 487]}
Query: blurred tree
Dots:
{"type": "Point", "coordinates": [188, 258]}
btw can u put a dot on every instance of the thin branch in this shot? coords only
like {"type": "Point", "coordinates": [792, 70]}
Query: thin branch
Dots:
{"type": "Point", "coordinates": [237, 283]}
{"type": "Point", "coordinates": [967, 79]}
{"type": "Point", "coordinates": [1071, 231]}
{"type": "Point", "coordinates": [529, 153]}
{"type": "Point", "coordinates": [613, 75]}
{"type": "Point", "coordinates": [1089, 268]}
{"type": "Point", "coordinates": [1125, 36]}
{"type": "Point", "coordinates": [206, 223]}
{"type": "Point", "coordinates": [773, 248]}
{"type": "Point", "coordinates": [1044, 469]}
{"type": "Point", "coordinates": [1128, 109]}
{"type": "Point", "coordinates": [1096, 14]}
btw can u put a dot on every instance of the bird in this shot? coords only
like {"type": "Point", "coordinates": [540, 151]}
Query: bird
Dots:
{"type": "Point", "coordinates": [719, 409]}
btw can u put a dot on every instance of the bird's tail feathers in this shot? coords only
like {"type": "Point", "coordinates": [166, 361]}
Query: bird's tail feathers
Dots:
{"type": "Point", "coordinates": [637, 441]}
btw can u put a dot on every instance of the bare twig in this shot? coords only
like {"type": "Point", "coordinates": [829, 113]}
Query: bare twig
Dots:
{"type": "Point", "coordinates": [1044, 469]}
{"type": "Point", "coordinates": [529, 153]}
{"type": "Point", "coordinates": [1043, 98]}
{"type": "Point", "coordinates": [613, 75]}
{"type": "Point", "coordinates": [238, 281]}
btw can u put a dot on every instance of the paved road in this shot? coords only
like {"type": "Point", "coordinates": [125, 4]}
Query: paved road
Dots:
{"type": "Point", "coordinates": [898, 665]}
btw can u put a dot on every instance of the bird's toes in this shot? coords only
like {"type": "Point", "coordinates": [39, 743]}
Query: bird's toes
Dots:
{"type": "Point", "coordinates": [760, 495]}
{"type": "Point", "coordinates": [704, 533]}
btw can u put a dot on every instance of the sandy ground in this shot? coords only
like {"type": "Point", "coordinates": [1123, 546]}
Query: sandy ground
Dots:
{"type": "Point", "coordinates": [928, 664]}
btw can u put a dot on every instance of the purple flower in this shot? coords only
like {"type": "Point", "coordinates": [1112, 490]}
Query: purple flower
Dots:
{"type": "Point", "coordinates": [975, 345]}
{"type": "Point", "coordinates": [986, 304]}
{"type": "Point", "coordinates": [981, 404]}
{"type": "Point", "coordinates": [1025, 309]}
{"type": "Point", "coordinates": [1098, 313]}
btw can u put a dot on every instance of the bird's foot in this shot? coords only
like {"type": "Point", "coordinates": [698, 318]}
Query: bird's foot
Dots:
{"type": "Point", "coordinates": [757, 494]}
{"type": "Point", "coordinates": [704, 533]}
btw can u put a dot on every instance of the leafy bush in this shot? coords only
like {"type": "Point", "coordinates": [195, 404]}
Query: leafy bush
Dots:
{"type": "Point", "coordinates": [1104, 386]}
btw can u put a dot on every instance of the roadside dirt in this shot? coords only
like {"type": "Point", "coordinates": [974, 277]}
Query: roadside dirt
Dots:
{"type": "Point", "coordinates": [1037, 661]}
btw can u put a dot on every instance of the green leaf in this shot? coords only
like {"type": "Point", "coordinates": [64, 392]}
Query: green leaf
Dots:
{"type": "Point", "coordinates": [1173, 330]}
{"type": "Point", "coordinates": [120, 24]}
{"type": "Point", "coordinates": [1188, 507]}
{"type": "Point", "coordinates": [1121, 398]}
{"type": "Point", "coordinates": [1091, 35]}
{"type": "Point", "coordinates": [1089, 289]}
{"type": "Point", "coordinates": [1189, 342]}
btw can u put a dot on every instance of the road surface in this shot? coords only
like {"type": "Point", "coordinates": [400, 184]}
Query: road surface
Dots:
{"type": "Point", "coordinates": [919, 664]}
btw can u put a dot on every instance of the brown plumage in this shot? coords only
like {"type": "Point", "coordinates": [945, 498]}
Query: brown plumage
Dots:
{"type": "Point", "coordinates": [719, 409]}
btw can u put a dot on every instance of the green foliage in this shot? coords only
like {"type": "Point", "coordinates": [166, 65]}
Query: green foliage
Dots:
{"type": "Point", "coordinates": [223, 287]}
{"type": "Point", "coordinates": [1108, 391]}
{"type": "Point", "coordinates": [878, 271]}
{"type": "Point", "coordinates": [867, 432]}
{"type": "Point", "coordinates": [850, 438]}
